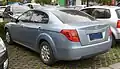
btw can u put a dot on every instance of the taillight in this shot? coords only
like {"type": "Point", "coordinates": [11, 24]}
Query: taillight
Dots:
{"type": "Point", "coordinates": [72, 35]}
{"type": "Point", "coordinates": [109, 32]}
{"type": "Point", "coordinates": [118, 24]}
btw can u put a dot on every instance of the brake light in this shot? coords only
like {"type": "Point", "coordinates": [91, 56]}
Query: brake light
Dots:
{"type": "Point", "coordinates": [109, 32]}
{"type": "Point", "coordinates": [72, 35]}
{"type": "Point", "coordinates": [118, 24]}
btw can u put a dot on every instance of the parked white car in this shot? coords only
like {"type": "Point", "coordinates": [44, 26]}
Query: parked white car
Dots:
{"type": "Point", "coordinates": [32, 5]}
{"type": "Point", "coordinates": [78, 7]}
{"type": "Point", "coordinates": [109, 14]}
{"type": "Point", "coordinates": [13, 10]}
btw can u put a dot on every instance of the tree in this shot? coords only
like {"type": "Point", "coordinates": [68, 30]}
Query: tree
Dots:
{"type": "Point", "coordinates": [43, 1]}
{"type": "Point", "coordinates": [118, 0]}
{"type": "Point", "coordinates": [4, 2]}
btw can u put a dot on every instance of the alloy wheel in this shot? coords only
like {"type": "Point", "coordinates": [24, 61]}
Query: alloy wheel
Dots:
{"type": "Point", "coordinates": [45, 53]}
{"type": "Point", "coordinates": [7, 37]}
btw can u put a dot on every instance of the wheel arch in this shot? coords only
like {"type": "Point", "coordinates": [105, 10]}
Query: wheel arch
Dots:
{"type": "Point", "coordinates": [45, 37]}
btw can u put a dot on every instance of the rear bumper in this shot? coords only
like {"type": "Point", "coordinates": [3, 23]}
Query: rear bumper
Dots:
{"type": "Point", "coordinates": [77, 53]}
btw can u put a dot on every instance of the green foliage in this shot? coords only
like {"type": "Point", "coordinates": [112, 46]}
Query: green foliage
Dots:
{"type": "Point", "coordinates": [118, 0]}
{"type": "Point", "coordinates": [100, 1]}
{"type": "Point", "coordinates": [14, 0]}
{"type": "Point", "coordinates": [4, 2]}
{"type": "Point", "coordinates": [105, 1]}
{"type": "Point", "coordinates": [2, 24]}
{"type": "Point", "coordinates": [43, 1]}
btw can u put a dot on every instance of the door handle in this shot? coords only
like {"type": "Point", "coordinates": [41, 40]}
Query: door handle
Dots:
{"type": "Point", "coordinates": [39, 28]}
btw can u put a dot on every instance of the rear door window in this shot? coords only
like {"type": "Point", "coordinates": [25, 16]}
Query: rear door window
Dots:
{"type": "Point", "coordinates": [40, 17]}
{"type": "Point", "coordinates": [101, 13]}
{"type": "Point", "coordinates": [118, 13]}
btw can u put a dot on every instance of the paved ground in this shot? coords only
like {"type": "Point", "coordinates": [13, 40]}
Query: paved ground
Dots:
{"type": "Point", "coordinates": [113, 66]}
{"type": "Point", "coordinates": [23, 58]}
{"type": "Point", "coordinates": [1, 20]}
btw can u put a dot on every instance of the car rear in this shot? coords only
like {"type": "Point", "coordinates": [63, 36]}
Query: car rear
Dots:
{"type": "Point", "coordinates": [117, 23]}
{"type": "Point", "coordinates": [83, 36]}
{"type": "Point", "coordinates": [82, 42]}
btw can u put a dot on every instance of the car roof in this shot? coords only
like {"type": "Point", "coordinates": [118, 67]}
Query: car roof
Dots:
{"type": "Point", "coordinates": [19, 6]}
{"type": "Point", "coordinates": [32, 3]}
{"type": "Point", "coordinates": [54, 8]}
{"type": "Point", "coordinates": [106, 7]}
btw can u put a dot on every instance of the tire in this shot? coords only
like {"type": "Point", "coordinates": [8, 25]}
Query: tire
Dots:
{"type": "Point", "coordinates": [113, 41]}
{"type": "Point", "coordinates": [8, 37]}
{"type": "Point", "coordinates": [46, 53]}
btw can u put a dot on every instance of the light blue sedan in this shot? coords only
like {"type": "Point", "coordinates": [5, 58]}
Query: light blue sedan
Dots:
{"type": "Point", "coordinates": [59, 34]}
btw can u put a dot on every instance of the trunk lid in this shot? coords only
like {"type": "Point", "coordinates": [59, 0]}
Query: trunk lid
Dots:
{"type": "Point", "coordinates": [92, 33]}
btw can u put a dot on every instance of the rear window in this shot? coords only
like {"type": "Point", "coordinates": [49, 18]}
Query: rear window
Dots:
{"type": "Point", "coordinates": [71, 16]}
{"type": "Point", "coordinates": [118, 13]}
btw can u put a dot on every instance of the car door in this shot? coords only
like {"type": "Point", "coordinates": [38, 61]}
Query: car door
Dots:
{"type": "Point", "coordinates": [32, 29]}
{"type": "Point", "coordinates": [18, 28]}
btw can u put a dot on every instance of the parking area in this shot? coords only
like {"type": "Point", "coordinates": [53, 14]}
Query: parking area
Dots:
{"type": "Point", "coordinates": [59, 27]}
{"type": "Point", "coordinates": [23, 58]}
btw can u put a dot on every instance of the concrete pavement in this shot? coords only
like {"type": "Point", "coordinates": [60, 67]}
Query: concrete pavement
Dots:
{"type": "Point", "coordinates": [113, 66]}
{"type": "Point", "coordinates": [1, 19]}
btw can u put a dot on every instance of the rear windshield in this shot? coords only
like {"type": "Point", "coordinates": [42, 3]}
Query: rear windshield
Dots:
{"type": "Point", "coordinates": [70, 16]}
{"type": "Point", "coordinates": [118, 13]}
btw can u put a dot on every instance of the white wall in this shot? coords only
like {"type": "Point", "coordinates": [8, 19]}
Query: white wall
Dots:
{"type": "Point", "coordinates": [53, 0]}
{"type": "Point", "coordinates": [78, 2]}
{"type": "Point", "coordinates": [33, 1]}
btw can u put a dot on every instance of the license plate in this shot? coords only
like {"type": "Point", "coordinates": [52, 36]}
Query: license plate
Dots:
{"type": "Point", "coordinates": [95, 36]}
